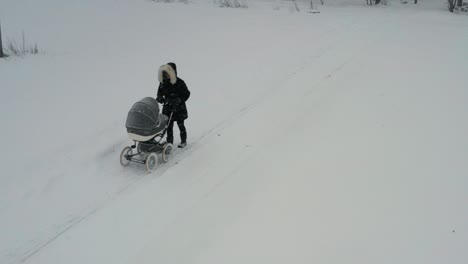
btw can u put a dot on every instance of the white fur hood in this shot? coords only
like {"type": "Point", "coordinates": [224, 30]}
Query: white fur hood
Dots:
{"type": "Point", "coordinates": [167, 68]}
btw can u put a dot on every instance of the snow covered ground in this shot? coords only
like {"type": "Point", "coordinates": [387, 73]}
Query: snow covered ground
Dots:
{"type": "Point", "coordinates": [338, 137]}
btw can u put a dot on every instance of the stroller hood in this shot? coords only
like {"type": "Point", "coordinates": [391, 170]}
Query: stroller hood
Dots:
{"type": "Point", "coordinates": [143, 117]}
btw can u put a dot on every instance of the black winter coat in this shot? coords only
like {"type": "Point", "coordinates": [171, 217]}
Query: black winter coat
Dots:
{"type": "Point", "coordinates": [174, 96]}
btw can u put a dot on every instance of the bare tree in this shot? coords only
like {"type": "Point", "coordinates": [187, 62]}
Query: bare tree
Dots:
{"type": "Point", "coordinates": [296, 6]}
{"type": "Point", "coordinates": [451, 5]}
{"type": "Point", "coordinates": [1, 46]}
{"type": "Point", "coordinates": [232, 3]}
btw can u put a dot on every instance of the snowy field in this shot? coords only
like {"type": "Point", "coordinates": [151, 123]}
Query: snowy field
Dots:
{"type": "Point", "coordinates": [339, 137]}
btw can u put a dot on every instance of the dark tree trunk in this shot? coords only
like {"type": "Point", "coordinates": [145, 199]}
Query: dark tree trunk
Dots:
{"type": "Point", "coordinates": [1, 46]}
{"type": "Point", "coordinates": [459, 2]}
{"type": "Point", "coordinates": [452, 4]}
{"type": "Point", "coordinates": [415, 1]}
{"type": "Point", "coordinates": [377, 2]}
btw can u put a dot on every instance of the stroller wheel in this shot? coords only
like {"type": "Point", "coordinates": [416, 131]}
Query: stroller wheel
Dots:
{"type": "Point", "coordinates": [123, 159]}
{"type": "Point", "coordinates": [167, 152]}
{"type": "Point", "coordinates": [151, 162]}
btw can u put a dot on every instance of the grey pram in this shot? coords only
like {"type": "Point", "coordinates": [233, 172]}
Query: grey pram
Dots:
{"type": "Point", "coordinates": [146, 127]}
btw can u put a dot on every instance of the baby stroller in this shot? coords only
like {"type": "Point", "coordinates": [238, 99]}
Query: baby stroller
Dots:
{"type": "Point", "coordinates": [146, 127]}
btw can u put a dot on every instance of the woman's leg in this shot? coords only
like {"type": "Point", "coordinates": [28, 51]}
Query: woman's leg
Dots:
{"type": "Point", "coordinates": [170, 132]}
{"type": "Point", "coordinates": [183, 131]}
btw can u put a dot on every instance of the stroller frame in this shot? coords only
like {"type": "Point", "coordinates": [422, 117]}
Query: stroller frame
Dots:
{"type": "Point", "coordinates": [148, 150]}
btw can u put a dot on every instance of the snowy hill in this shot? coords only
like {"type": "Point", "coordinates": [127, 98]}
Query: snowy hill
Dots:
{"type": "Point", "coordinates": [337, 137]}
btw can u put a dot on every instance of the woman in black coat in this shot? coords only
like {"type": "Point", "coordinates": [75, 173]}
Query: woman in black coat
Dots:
{"type": "Point", "coordinates": [173, 93]}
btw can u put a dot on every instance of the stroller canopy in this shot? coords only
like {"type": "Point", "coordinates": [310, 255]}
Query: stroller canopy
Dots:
{"type": "Point", "coordinates": [143, 117]}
